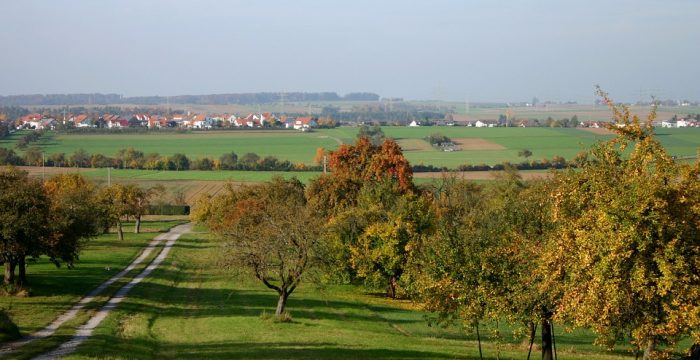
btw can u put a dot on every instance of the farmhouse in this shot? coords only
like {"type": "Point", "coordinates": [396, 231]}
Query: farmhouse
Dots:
{"type": "Point", "coordinates": [305, 123]}
{"type": "Point", "coordinates": [485, 123]}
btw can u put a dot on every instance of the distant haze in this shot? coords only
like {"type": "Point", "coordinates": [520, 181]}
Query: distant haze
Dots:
{"type": "Point", "coordinates": [464, 50]}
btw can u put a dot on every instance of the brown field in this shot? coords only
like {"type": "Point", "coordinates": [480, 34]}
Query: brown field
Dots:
{"type": "Point", "coordinates": [414, 145]}
{"type": "Point", "coordinates": [476, 144]}
{"type": "Point", "coordinates": [598, 131]}
{"type": "Point", "coordinates": [481, 175]}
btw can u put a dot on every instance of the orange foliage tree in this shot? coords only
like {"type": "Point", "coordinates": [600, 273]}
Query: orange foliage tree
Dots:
{"type": "Point", "coordinates": [364, 161]}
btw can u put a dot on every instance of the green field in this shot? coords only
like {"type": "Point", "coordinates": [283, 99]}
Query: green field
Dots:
{"type": "Point", "coordinates": [301, 147]}
{"type": "Point", "coordinates": [214, 175]}
{"type": "Point", "coordinates": [190, 308]}
{"type": "Point", "coordinates": [54, 290]}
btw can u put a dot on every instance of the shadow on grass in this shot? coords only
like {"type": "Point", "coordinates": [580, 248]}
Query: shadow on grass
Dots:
{"type": "Point", "coordinates": [205, 302]}
{"type": "Point", "coordinates": [147, 349]}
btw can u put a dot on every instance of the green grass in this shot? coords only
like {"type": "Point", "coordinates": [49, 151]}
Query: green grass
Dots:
{"type": "Point", "coordinates": [301, 147]}
{"type": "Point", "coordinates": [54, 290]}
{"type": "Point", "coordinates": [189, 308]}
{"type": "Point", "coordinates": [290, 145]}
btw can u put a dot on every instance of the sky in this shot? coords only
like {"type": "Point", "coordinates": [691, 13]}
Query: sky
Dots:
{"type": "Point", "coordinates": [459, 50]}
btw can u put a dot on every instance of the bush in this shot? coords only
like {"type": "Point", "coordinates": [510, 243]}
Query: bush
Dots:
{"type": "Point", "coordinates": [168, 210]}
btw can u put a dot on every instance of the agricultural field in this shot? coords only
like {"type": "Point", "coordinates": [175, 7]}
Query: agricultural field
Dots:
{"type": "Point", "coordinates": [191, 308]}
{"type": "Point", "coordinates": [475, 145]}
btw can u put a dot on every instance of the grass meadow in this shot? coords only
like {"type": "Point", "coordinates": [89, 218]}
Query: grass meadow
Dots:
{"type": "Point", "coordinates": [54, 290]}
{"type": "Point", "coordinates": [497, 144]}
{"type": "Point", "coordinates": [191, 308]}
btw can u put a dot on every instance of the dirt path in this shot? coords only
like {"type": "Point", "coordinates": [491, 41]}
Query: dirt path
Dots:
{"type": "Point", "coordinates": [49, 330]}
{"type": "Point", "coordinates": [85, 331]}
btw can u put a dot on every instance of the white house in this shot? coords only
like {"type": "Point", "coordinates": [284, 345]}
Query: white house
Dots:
{"type": "Point", "coordinates": [304, 123]}
{"type": "Point", "coordinates": [668, 124]}
{"type": "Point", "coordinates": [413, 124]}
{"type": "Point", "coordinates": [484, 123]}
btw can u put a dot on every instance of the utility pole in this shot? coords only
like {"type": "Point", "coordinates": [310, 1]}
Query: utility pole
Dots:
{"type": "Point", "coordinates": [43, 167]}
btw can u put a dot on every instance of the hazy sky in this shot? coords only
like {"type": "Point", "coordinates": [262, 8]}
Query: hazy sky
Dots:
{"type": "Point", "coordinates": [480, 50]}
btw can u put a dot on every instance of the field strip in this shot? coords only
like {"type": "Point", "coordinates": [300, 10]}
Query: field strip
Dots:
{"type": "Point", "coordinates": [73, 312]}
{"type": "Point", "coordinates": [85, 331]}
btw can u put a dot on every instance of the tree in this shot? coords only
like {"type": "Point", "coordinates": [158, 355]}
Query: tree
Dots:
{"type": "Point", "coordinates": [57, 159]}
{"type": "Point", "coordinates": [526, 153]}
{"type": "Point", "coordinates": [451, 271]}
{"type": "Point", "coordinates": [479, 263]}
{"type": "Point", "coordinates": [268, 230]}
{"type": "Point", "coordinates": [127, 201]}
{"type": "Point", "coordinates": [73, 218]}
{"type": "Point", "coordinates": [228, 161]}
{"type": "Point", "coordinates": [628, 248]}
{"type": "Point", "coordinates": [9, 157]}
{"type": "Point", "coordinates": [179, 162]}
{"type": "Point", "coordinates": [249, 160]}
{"type": "Point", "coordinates": [321, 156]}
{"type": "Point", "coordinates": [115, 199]}
{"type": "Point", "coordinates": [394, 223]}
{"type": "Point", "coordinates": [80, 158]}
{"type": "Point", "coordinates": [367, 162]}
{"type": "Point", "coordinates": [139, 199]}
{"type": "Point", "coordinates": [24, 209]}
{"type": "Point", "coordinates": [33, 156]}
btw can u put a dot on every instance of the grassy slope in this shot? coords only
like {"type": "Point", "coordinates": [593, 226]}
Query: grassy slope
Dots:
{"type": "Point", "coordinates": [189, 308]}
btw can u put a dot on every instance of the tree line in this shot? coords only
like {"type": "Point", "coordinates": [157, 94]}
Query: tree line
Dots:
{"type": "Point", "coordinates": [57, 217]}
{"type": "Point", "coordinates": [131, 158]}
{"type": "Point", "coordinates": [611, 246]}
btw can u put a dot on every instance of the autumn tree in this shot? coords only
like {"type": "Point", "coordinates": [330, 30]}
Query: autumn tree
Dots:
{"type": "Point", "coordinates": [269, 231]}
{"type": "Point", "coordinates": [478, 265]}
{"type": "Point", "coordinates": [451, 262]}
{"type": "Point", "coordinates": [139, 200]}
{"type": "Point", "coordinates": [24, 208]}
{"type": "Point", "coordinates": [126, 202]}
{"type": "Point", "coordinates": [73, 216]}
{"type": "Point", "coordinates": [367, 162]}
{"type": "Point", "coordinates": [629, 246]}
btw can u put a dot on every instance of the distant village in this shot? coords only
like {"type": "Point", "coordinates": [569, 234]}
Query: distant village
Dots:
{"type": "Point", "coordinates": [269, 120]}
{"type": "Point", "coordinates": [185, 121]}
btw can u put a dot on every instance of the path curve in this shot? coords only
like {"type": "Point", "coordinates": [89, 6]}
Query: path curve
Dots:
{"type": "Point", "coordinates": [85, 331]}
{"type": "Point", "coordinates": [73, 311]}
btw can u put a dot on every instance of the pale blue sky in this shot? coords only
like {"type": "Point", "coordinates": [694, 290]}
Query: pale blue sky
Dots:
{"type": "Point", "coordinates": [451, 50]}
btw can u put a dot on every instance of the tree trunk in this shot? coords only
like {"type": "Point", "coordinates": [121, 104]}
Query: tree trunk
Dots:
{"type": "Point", "coordinates": [391, 288]}
{"type": "Point", "coordinates": [120, 231]}
{"type": "Point", "coordinates": [9, 272]}
{"type": "Point", "coordinates": [478, 339]}
{"type": "Point", "coordinates": [532, 331]}
{"type": "Point", "coordinates": [547, 353]}
{"type": "Point", "coordinates": [281, 303]}
{"type": "Point", "coordinates": [649, 350]}
{"type": "Point", "coordinates": [22, 278]}
{"type": "Point", "coordinates": [137, 225]}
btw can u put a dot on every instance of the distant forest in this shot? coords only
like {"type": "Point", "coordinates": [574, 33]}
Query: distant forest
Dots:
{"type": "Point", "coordinates": [212, 99]}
